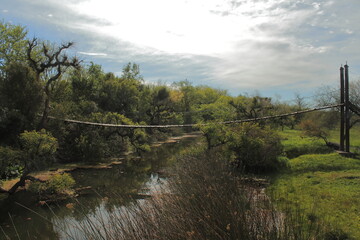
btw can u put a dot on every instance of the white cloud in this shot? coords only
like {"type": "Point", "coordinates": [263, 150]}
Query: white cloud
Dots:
{"type": "Point", "coordinates": [235, 44]}
{"type": "Point", "coordinates": [93, 54]}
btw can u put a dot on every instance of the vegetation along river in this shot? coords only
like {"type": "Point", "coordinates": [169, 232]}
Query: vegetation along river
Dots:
{"type": "Point", "coordinates": [106, 190]}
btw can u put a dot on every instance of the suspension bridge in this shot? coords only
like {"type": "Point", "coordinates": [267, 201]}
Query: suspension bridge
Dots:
{"type": "Point", "coordinates": [345, 108]}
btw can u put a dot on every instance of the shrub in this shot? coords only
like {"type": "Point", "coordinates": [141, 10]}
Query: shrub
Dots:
{"type": "Point", "coordinates": [38, 149]}
{"type": "Point", "coordinates": [57, 184]}
{"type": "Point", "coordinates": [256, 149]}
{"type": "Point", "coordinates": [9, 163]}
{"type": "Point", "coordinates": [311, 128]}
{"type": "Point", "coordinates": [90, 146]}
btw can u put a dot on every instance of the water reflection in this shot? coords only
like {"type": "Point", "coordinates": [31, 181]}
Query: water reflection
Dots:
{"type": "Point", "coordinates": [112, 192]}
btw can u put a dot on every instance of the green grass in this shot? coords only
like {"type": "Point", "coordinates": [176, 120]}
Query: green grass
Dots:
{"type": "Point", "coordinates": [325, 186]}
{"type": "Point", "coordinates": [334, 136]}
{"type": "Point", "coordinates": [296, 145]}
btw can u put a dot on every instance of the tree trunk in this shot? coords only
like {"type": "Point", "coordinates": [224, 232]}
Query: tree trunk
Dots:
{"type": "Point", "coordinates": [20, 183]}
{"type": "Point", "coordinates": [44, 118]}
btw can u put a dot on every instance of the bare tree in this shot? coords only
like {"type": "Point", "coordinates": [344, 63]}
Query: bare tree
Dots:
{"type": "Point", "coordinates": [328, 95]}
{"type": "Point", "coordinates": [49, 66]}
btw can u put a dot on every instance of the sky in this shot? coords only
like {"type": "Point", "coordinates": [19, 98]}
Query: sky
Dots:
{"type": "Point", "coordinates": [275, 48]}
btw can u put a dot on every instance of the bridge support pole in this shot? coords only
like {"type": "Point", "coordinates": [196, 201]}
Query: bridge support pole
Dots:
{"type": "Point", "coordinates": [347, 110]}
{"type": "Point", "coordinates": [342, 110]}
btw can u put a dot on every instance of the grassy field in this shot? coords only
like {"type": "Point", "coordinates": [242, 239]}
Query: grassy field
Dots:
{"type": "Point", "coordinates": [354, 138]}
{"type": "Point", "coordinates": [296, 145]}
{"type": "Point", "coordinates": [323, 184]}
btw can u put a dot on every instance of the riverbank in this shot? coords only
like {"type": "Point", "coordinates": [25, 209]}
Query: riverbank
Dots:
{"type": "Point", "coordinates": [111, 190]}
{"type": "Point", "coordinates": [57, 169]}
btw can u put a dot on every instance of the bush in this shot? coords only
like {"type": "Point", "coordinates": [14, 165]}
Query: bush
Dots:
{"type": "Point", "coordinates": [90, 147]}
{"type": "Point", "coordinates": [38, 149]}
{"type": "Point", "coordinates": [9, 163]}
{"type": "Point", "coordinates": [256, 149]}
{"type": "Point", "coordinates": [57, 184]}
{"type": "Point", "coordinates": [312, 128]}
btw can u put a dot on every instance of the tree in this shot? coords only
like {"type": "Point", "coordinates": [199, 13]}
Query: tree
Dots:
{"type": "Point", "coordinates": [37, 151]}
{"type": "Point", "coordinates": [49, 67]}
{"type": "Point", "coordinates": [188, 99]}
{"type": "Point", "coordinates": [122, 94]}
{"type": "Point", "coordinates": [87, 82]}
{"type": "Point", "coordinates": [20, 99]}
{"type": "Point", "coordinates": [256, 149]}
{"type": "Point", "coordinates": [328, 95]}
{"type": "Point", "coordinates": [254, 107]}
{"type": "Point", "coordinates": [161, 109]}
{"type": "Point", "coordinates": [215, 134]}
{"type": "Point", "coordinates": [12, 43]}
{"type": "Point", "coordinates": [132, 72]}
{"type": "Point", "coordinates": [119, 95]}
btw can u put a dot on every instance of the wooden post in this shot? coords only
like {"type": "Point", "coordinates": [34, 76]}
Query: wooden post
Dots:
{"type": "Point", "coordinates": [347, 110]}
{"type": "Point", "coordinates": [342, 109]}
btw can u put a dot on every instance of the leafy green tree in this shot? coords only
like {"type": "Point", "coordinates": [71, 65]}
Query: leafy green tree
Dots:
{"type": "Point", "coordinates": [20, 100]}
{"type": "Point", "coordinates": [161, 108]}
{"type": "Point", "coordinates": [12, 44]}
{"type": "Point", "coordinates": [215, 134]}
{"type": "Point", "coordinates": [131, 71]}
{"type": "Point", "coordinates": [188, 99]}
{"type": "Point", "coordinates": [122, 94]}
{"type": "Point", "coordinates": [216, 111]}
{"type": "Point", "coordinates": [86, 82]}
{"type": "Point", "coordinates": [251, 107]}
{"type": "Point", "coordinates": [119, 95]}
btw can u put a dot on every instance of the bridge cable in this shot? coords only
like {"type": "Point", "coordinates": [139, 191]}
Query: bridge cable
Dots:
{"type": "Point", "coordinates": [195, 124]}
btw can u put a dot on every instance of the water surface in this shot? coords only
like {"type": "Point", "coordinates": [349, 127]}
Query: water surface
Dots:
{"type": "Point", "coordinates": [114, 189]}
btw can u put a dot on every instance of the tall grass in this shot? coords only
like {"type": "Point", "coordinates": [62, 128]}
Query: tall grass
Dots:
{"type": "Point", "coordinates": [204, 199]}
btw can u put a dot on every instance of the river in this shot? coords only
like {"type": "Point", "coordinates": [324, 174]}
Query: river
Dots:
{"type": "Point", "coordinates": [22, 217]}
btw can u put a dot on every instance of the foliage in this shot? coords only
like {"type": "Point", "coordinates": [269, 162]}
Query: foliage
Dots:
{"type": "Point", "coordinates": [256, 149]}
{"type": "Point", "coordinates": [10, 165]}
{"type": "Point", "coordinates": [312, 129]}
{"type": "Point", "coordinates": [38, 149]}
{"type": "Point", "coordinates": [86, 82]}
{"type": "Point", "coordinates": [215, 134]}
{"type": "Point", "coordinates": [20, 99]}
{"type": "Point", "coordinates": [90, 147]}
{"type": "Point", "coordinates": [119, 95]}
{"type": "Point", "coordinates": [12, 43]}
{"type": "Point", "coordinates": [251, 107]}
{"type": "Point", "coordinates": [57, 184]}
{"type": "Point", "coordinates": [161, 106]}
{"type": "Point", "coordinates": [85, 143]}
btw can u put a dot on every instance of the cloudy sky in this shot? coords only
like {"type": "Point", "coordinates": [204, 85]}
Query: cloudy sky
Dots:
{"type": "Point", "coordinates": [273, 47]}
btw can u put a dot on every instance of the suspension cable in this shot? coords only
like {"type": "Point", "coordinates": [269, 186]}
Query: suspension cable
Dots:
{"type": "Point", "coordinates": [195, 124]}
